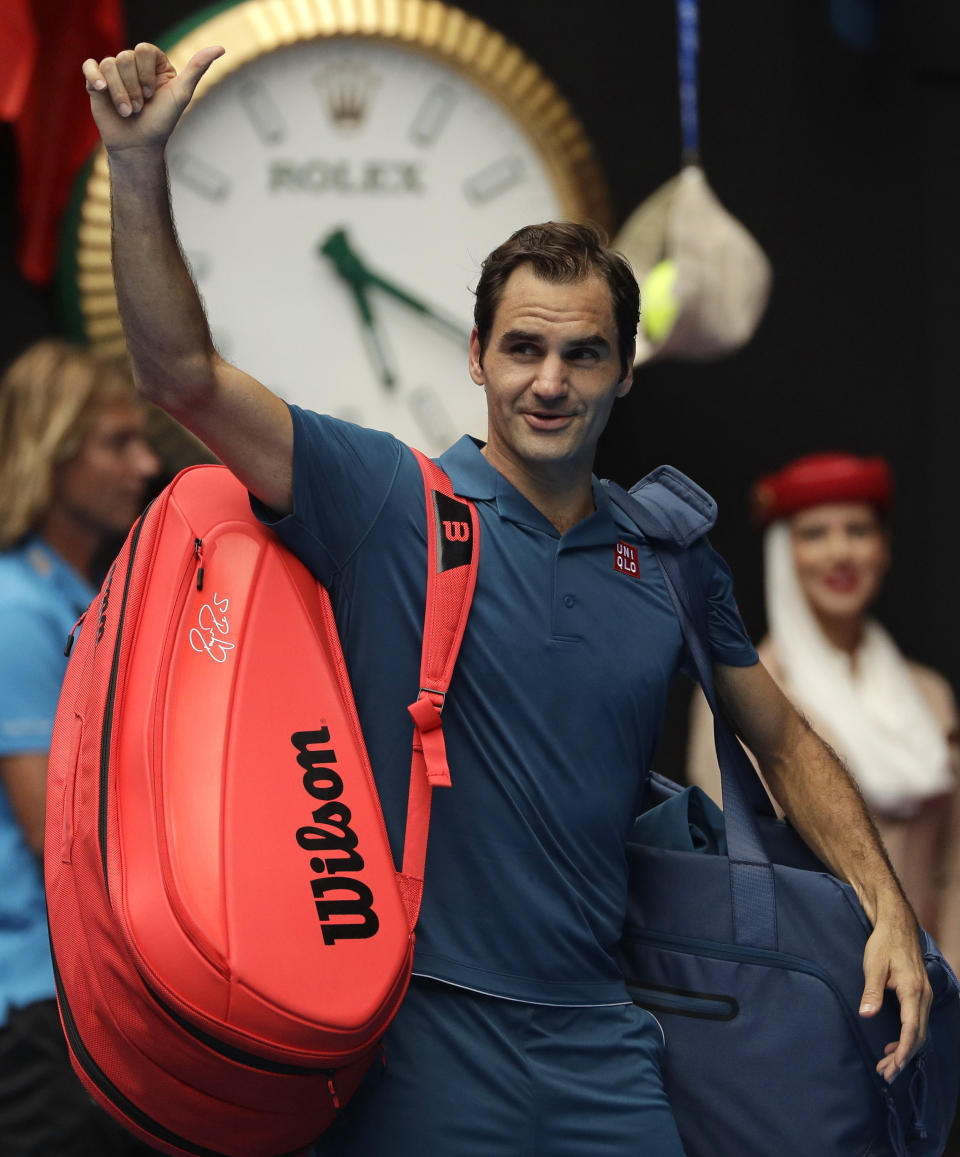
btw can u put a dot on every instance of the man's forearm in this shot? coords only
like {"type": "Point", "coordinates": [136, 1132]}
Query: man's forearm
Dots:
{"type": "Point", "coordinates": [810, 783]}
{"type": "Point", "coordinates": [163, 319]}
{"type": "Point", "coordinates": [823, 803]}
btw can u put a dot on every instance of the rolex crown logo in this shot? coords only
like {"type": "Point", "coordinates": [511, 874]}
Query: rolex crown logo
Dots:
{"type": "Point", "coordinates": [346, 89]}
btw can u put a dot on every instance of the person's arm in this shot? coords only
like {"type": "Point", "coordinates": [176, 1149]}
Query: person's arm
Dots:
{"type": "Point", "coordinates": [24, 779]}
{"type": "Point", "coordinates": [137, 99]}
{"type": "Point", "coordinates": [940, 698]}
{"type": "Point", "coordinates": [823, 803]}
{"type": "Point", "coordinates": [948, 898]}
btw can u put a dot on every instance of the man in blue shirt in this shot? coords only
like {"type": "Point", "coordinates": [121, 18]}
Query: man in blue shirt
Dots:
{"type": "Point", "coordinates": [73, 474]}
{"type": "Point", "coordinates": [517, 1036]}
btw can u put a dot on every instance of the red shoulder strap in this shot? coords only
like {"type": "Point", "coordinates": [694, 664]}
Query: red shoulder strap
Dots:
{"type": "Point", "coordinates": [452, 559]}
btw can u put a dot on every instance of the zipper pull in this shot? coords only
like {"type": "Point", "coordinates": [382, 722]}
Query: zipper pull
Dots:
{"type": "Point", "coordinates": [332, 1089]}
{"type": "Point", "coordinates": [198, 554]}
{"type": "Point", "coordinates": [76, 627]}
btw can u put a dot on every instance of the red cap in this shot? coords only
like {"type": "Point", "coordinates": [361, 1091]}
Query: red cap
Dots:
{"type": "Point", "coordinates": [817, 478]}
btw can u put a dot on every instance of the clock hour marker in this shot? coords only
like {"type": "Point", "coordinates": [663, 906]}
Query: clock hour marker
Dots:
{"type": "Point", "coordinates": [433, 114]}
{"type": "Point", "coordinates": [199, 176]}
{"type": "Point", "coordinates": [262, 113]}
{"type": "Point", "coordinates": [494, 179]}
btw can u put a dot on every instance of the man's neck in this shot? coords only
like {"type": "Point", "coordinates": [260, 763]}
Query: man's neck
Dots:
{"type": "Point", "coordinates": [563, 496]}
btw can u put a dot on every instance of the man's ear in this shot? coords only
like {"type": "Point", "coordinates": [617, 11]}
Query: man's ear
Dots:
{"type": "Point", "coordinates": [476, 356]}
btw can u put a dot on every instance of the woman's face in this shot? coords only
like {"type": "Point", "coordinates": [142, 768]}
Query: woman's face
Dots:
{"type": "Point", "coordinates": [102, 488]}
{"type": "Point", "coordinates": [841, 554]}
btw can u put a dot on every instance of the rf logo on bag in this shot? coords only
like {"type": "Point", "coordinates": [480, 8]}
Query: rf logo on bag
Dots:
{"type": "Point", "coordinates": [212, 627]}
{"type": "Point", "coordinates": [349, 915]}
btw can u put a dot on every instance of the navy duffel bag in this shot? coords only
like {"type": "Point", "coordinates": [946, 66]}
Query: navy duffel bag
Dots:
{"type": "Point", "coordinates": [750, 953]}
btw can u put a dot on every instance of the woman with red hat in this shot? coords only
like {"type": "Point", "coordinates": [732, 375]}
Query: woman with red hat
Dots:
{"type": "Point", "coordinates": [826, 552]}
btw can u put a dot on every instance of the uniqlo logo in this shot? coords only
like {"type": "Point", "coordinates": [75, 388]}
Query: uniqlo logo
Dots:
{"type": "Point", "coordinates": [626, 559]}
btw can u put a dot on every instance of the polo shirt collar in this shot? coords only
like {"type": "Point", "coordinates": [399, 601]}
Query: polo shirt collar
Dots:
{"type": "Point", "coordinates": [471, 474]}
{"type": "Point", "coordinates": [473, 477]}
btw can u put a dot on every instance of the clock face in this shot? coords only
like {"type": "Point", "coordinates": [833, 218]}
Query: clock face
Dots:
{"type": "Point", "coordinates": [334, 198]}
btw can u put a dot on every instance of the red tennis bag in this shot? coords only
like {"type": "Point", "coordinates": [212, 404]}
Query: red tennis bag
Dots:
{"type": "Point", "coordinates": [230, 934]}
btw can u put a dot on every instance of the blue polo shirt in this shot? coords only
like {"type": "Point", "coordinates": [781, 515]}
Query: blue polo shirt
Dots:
{"type": "Point", "coordinates": [553, 713]}
{"type": "Point", "coordinates": [41, 597]}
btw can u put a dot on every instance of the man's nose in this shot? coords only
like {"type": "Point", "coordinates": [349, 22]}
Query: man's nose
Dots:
{"type": "Point", "coordinates": [551, 380]}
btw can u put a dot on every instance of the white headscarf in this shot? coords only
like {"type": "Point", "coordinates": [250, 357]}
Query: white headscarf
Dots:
{"type": "Point", "coordinates": [872, 710]}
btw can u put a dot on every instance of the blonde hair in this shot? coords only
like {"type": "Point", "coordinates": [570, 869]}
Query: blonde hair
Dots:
{"type": "Point", "coordinates": [49, 397]}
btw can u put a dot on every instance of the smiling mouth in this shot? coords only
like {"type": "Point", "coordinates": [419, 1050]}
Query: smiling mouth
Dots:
{"type": "Point", "coordinates": [841, 583]}
{"type": "Point", "coordinates": [546, 419]}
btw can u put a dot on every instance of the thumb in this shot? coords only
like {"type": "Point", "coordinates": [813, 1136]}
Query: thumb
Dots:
{"type": "Point", "coordinates": [193, 71]}
{"type": "Point", "coordinates": [872, 997]}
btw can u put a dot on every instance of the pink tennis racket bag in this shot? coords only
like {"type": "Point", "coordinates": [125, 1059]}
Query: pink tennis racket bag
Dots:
{"type": "Point", "coordinates": [230, 934]}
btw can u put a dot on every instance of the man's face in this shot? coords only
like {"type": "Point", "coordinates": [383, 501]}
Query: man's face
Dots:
{"type": "Point", "coordinates": [551, 372]}
{"type": "Point", "coordinates": [101, 490]}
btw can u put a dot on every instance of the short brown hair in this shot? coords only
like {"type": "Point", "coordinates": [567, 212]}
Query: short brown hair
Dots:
{"type": "Point", "coordinates": [561, 252]}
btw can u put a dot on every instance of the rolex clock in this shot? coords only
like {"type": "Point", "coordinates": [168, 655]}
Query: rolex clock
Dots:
{"type": "Point", "coordinates": [336, 182]}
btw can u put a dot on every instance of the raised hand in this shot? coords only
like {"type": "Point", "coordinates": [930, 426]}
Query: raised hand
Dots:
{"type": "Point", "coordinates": [137, 96]}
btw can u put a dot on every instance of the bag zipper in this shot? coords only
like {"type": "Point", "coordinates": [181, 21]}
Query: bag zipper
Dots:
{"type": "Point", "coordinates": [234, 1052]}
{"type": "Point", "coordinates": [193, 569]}
{"type": "Point", "coordinates": [787, 962]}
{"type": "Point", "coordinates": [107, 734]}
{"type": "Point", "coordinates": [110, 1091]}
{"type": "Point", "coordinates": [135, 1114]}
{"type": "Point", "coordinates": [770, 958]}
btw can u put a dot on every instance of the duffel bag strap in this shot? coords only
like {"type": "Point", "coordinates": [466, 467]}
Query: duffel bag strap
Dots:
{"type": "Point", "coordinates": [751, 874]}
{"type": "Point", "coordinates": [452, 560]}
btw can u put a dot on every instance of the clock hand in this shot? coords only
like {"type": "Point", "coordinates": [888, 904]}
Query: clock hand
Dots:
{"type": "Point", "coordinates": [351, 266]}
{"type": "Point", "coordinates": [336, 246]}
{"type": "Point", "coordinates": [351, 271]}
{"type": "Point", "coordinates": [419, 306]}
{"type": "Point", "coordinates": [372, 333]}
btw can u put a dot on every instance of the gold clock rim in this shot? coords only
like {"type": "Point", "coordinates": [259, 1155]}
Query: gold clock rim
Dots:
{"type": "Point", "coordinates": [442, 31]}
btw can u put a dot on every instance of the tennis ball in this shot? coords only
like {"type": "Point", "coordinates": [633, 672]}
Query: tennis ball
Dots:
{"type": "Point", "coordinates": [658, 302]}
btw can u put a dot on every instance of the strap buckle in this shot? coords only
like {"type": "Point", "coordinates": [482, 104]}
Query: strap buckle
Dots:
{"type": "Point", "coordinates": [432, 691]}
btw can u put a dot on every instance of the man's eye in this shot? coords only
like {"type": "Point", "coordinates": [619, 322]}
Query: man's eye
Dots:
{"type": "Point", "coordinates": [583, 354]}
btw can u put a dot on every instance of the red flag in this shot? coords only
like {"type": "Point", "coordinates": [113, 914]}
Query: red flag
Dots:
{"type": "Point", "coordinates": [50, 110]}
{"type": "Point", "coordinates": [18, 49]}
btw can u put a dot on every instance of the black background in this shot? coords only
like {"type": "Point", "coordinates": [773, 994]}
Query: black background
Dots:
{"type": "Point", "coordinates": [845, 165]}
